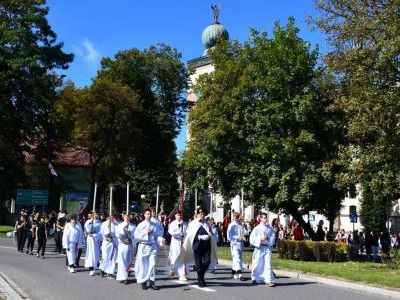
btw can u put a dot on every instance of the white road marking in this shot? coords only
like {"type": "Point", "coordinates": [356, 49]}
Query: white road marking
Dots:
{"type": "Point", "coordinates": [204, 289]}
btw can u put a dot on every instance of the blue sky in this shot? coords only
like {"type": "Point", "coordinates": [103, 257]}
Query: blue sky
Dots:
{"type": "Point", "coordinates": [92, 29]}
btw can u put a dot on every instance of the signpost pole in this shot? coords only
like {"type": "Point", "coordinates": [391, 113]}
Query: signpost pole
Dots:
{"type": "Point", "coordinates": [158, 195]}
{"type": "Point", "coordinates": [95, 195]}
{"type": "Point", "coordinates": [127, 197]}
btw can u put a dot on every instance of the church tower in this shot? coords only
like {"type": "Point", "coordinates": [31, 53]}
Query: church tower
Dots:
{"type": "Point", "coordinates": [202, 65]}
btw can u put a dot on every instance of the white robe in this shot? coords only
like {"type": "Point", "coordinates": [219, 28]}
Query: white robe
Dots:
{"type": "Point", "coordinates": [125, 251]}
{"type": "Point", "coordinates": [108, 247]}
{"type": "Point", "coordinates": [234, 232]}
{"type": "Point", "coordinates": [72, 241]}
{"type": "Point", "coordinates": [147, 244]}
{"type": "Point", "coordinates": [92, 243]}
{"type": "Point", "coordinates": [261, 269]}
{"type": "Point", "coordinates": [186, 256]}
{"type": "Point", "coordinates": [177, 237]}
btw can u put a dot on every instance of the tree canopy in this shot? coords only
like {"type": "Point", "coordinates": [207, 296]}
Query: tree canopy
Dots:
{"type": "Point", "coordinates": [365, 39]}
{"type": "Point", "coordinates": [262, 123]}
{"type": "Point", "coordinates": [29, 54]}
{"type": "Point", "coordinates": [128, 119]}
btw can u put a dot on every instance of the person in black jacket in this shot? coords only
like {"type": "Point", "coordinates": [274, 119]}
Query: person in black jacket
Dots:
{"type": "Point", "coordinates": [320, 233]}
{"type": "Point", "coordinates": [41, 236]}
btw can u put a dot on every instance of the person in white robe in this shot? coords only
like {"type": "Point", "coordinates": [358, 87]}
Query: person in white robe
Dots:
{"type": "Point", "coordinates": [199, 248]}
{"type": "Point", "coordinates": [177, 230]}
{"type": "Point", "coordinates": [80, 244]}
{"type": "Point", "coordinates": [72, 241]}
{"type": "Point", "coordinates": [215, 236]}
{"type": "Point", "coordinates": [109, 247]}
{"type": "Point", "coordinates": [126, 243]}
{"type": "Point", "coordinates": [92, 230]}
{"type": "Point", "coordinates": [236, 237]}
{"type": "Point", "coordinates": [262, 238]}
{"type": "Point", "coordinates": [148, 238]}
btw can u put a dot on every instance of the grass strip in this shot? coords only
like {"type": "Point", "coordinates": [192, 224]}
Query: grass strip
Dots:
{"type": "Point", "coordinates": [365, 272]}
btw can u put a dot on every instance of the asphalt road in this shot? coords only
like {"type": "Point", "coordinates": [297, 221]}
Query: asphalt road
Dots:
{"type": "Point", "coordinates": [49, 279]}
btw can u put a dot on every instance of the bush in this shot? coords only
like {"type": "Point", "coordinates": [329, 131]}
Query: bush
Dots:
{"type": "Point", "coordinates": [312, 251]}
{"type": "Point", "coordinates": [392, 261]}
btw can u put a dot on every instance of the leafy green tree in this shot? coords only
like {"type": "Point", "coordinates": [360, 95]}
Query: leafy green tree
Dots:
{"type": "Point", "coordinates": [262, 123]}
{"type": "Point", "coordinates": [159, 79]}
{"type": "Point", "coordinates": [136, 109]}
{"type": "Point", "coordinates": [365, 63]}
{"type": "Point", "coordinates": [29, 53]}
{"type": "Point", "coordinates": [106, 120]}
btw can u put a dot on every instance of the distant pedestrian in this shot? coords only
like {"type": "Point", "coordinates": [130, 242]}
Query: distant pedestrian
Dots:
{"type": "Point", "coordinates": [320, 233]}
{"type": "Point", "coordinates": [41, 236]}
{"type": "Point", "coordinates": [375, 246]}
{"type": "Point", "coordinates": [384, 240]}
{"type": "Point", "coordinates": [298, 233]}
{"type": "Point", "coordinates": [21, 233]}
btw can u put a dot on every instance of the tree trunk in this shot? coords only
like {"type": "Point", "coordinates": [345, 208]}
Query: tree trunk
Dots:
{"type": "Point", "coordinates": [299, 218]}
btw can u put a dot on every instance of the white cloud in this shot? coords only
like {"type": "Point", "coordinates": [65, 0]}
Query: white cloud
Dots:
{"type": "Point", "coordinates": [87, 50]}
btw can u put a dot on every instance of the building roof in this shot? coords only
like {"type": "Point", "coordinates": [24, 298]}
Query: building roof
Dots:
{"type": "Point", "coordinates": [68, 155]}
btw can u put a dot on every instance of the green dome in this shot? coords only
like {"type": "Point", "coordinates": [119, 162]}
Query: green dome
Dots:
{"type": "Point", "coordinates": [212, 33]}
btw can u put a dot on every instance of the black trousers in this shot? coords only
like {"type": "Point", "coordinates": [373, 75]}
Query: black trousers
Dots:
{"type": "Point", "coordinates": [41, 245]}
{"type": "Point", "coordinates": [202, 261]}
{"type": "Point", "coordinates": [58, 240]}
{"type": "Point", "coordinates": [31, 242]}
{"type": "Point", "coordinates": [21, 238]}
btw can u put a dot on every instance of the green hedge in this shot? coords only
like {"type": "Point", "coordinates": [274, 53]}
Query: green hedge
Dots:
{"type": "Point", "coordinates": [312, 251]}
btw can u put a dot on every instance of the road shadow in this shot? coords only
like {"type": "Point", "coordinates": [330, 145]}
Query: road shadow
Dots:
{"type": "Point", "coordinates": [172, 286]}
{"type": "Point", "coordinates": [295, 283]}
{"type": "Point", "coordinates": [229, 284]}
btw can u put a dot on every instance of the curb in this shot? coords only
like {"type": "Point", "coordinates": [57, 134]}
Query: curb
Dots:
{"type": "Point", "coordinates": [10, 289]}
{"type": "Point", "coordinates": [331, 281]}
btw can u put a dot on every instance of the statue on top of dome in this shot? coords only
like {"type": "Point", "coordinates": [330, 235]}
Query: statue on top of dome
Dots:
{"type": "Point", "coordinates": [215, 9]}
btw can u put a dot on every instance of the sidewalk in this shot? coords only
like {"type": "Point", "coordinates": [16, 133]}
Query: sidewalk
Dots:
{"type": "Point", "coordinates": [10, 289]}
{"type": "Point", "coordinates": [362, 287]}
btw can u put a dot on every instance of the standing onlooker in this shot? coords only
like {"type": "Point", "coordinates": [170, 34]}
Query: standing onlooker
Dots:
{"type": "Point", "coordinates": [375, 246]}
{"type": "Point", "coordinates": [320, 233]}
{"type": "Point", "coordinates": [362, 242]}
{"type": "Point", "coordinates": [393, 241]}
{"type": "Point", "coordinates": [59, 229]}
{"type": "Point", "coordinates": [368, 244]}
{"type": "Point", "coordinates": [298, 233]}
{"type": "Point", "coordinates": [353, 244]}
{"type": "Point", "coordinates": [225, 223]}
{"type": "Point", "coordinates": [384, 239]}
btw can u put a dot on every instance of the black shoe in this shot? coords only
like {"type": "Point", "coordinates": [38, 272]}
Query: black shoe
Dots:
{"type": "Point", "coordinates": [153, 286]}
{"type": "Point", "coordinates": [241, 278]}
{"type": "Point", "coordinates": [126, 281]}
{"type": "Point", "coordinates": [27, 251]}
{"type": "Point", "coordinates": [144, 286]}
{"type": "Point", "coordinates": [42, 256]}
{"type": "Point", "coordinates": [254, 282]}
{"type": "Point", "coordinates": [202, 284]}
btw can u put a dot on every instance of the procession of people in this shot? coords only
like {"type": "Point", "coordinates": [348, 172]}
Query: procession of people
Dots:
{"type": "Point", "coordinates": [120, 245]}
